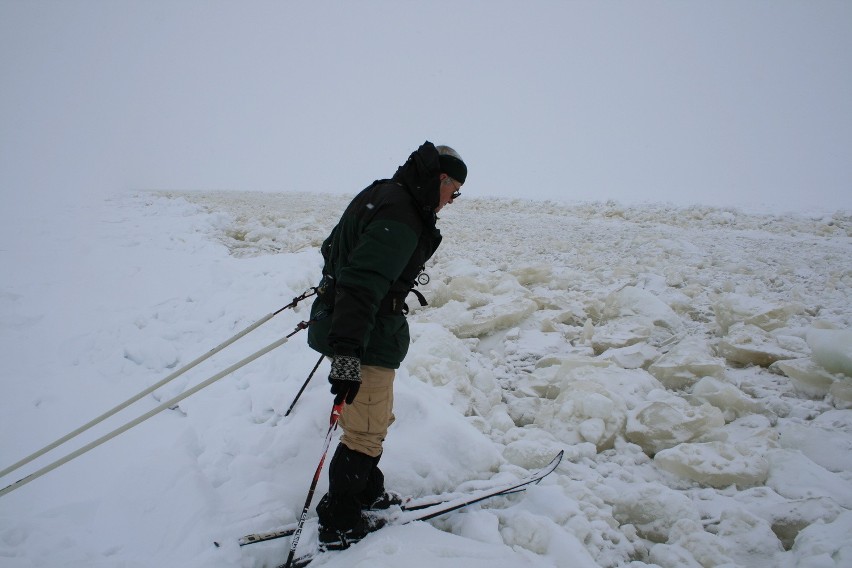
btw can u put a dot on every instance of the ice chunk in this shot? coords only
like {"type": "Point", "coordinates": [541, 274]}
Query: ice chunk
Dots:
{"type": "Point", "coordinates": [637, 356]}
{"type": "Point", "coordinates": [739, 308]}
{"type": "Point", "coordinates": [438, 357]}
{"type": "Point", "coordinates": [531, 453]}
{"type": "Point", "coordinates": [632, 301]}
{"type": "Point", "coordinates": [564, 416]}
{"type": "Point", "coordinates": [829, 448]}
{"type": "Point", "coordinates": [588, 331]}
{"type": "Point", "coordinates": [497, 315]}
{"type": "Point", "coordinates": [787, 517]}
{"type": "Point", "coordinates": [524, 409]}
{"type": "Point", "coordinates": [749, 538]}
{"type": "Point", "coordinates": [659, 425]}
{"type": "Point", "coordinates": [838, 420]}
{"type": "Point", "coordinates": [476, 302]}
{"type": "Point", "coordinates": [832, 349]}
{"type": "Point", "coordinates": [748, 344]}
{"type": "Point", "coordinates": [653, 509]}
{"type": "Point", "coordinates": [755, 430]}
{"type": "Point", "coordinates": [671, 555]}
{"type": "Point", "coordinates": [806, 376]}
{"type": "Point", "coordinates": [790, 342]}
{"type": "Point", "coordinates": [567, 363]}
{"type": "Point", "coordinates": [597, 406]}
{"type": "Point", "coordinates": [593, 429]}
{"type": "Point", "coordinates": [622, 332]}
{"type": "Point", "coordinates": [499, 419]}
{"type": "Point", "coordinates": [826, 545]}
{"type": "Point", "coordinates": [533, 274]}
{"type": "Point", "coordinates": [790, 517]}
{"type": "Point", "coordinates": [841, 393]}
{"type": "Point", "coordinates": [795, 476]}
{"type": "Point", "coordinates": [717, 464]}
{"type": "Point", "coordinates": [701, 547]}
{"type": "Point", "coordinates": [524, 347]}
{"type": "Point", "coordinates": [590, 395]}
{"type": "Point", "coordinates": [733, 402]}
{"type": "Point", "coordinates": [687, 362]}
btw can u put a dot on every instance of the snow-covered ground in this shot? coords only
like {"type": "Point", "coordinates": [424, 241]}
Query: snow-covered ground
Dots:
{"type": "Point", "coordinates": [695, 364]}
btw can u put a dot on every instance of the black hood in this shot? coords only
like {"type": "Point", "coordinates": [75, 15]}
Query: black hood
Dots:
{"type": "Point", "coordinates": [420, 174]}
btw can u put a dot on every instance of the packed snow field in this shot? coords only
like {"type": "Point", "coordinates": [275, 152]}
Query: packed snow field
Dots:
{"type": "Point", "coordinates": [695, 364]}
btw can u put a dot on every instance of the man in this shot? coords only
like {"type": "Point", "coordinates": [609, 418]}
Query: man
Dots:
{"type": "Point", "coordinates": [372, 258]}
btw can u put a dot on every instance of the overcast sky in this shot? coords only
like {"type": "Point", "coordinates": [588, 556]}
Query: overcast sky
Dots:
{"type": "Point", "coordinates": [740, 103]}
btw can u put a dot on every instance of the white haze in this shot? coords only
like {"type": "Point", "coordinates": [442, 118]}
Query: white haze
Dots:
{"type": "Point", "coordinates": [693, 363]}
{"type": "Point", "coordinates": [743, 104]}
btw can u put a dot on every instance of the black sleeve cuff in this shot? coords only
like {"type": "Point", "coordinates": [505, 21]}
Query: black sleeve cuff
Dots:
{"type": "Point", "coordinates": [345, 351]}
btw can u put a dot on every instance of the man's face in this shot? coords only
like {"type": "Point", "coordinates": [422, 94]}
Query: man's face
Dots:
{"type": "Point", "coordinates": [449, 191]}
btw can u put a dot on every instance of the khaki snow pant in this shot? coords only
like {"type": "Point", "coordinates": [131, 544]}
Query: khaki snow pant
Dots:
{"type": "Point", "coordinates": [365, 422]}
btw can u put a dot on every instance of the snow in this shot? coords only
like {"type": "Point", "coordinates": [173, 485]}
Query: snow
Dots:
{"type": "Point", "coordinates": [693, 363]}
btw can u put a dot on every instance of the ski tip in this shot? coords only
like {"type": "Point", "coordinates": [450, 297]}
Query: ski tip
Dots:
{"type": "Point", "coordinates": [555, 461]}
{"type": "Point", "coordinates": [551, 467]}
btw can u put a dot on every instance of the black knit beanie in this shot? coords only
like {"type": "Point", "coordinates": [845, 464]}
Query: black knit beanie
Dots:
{"type": "Point", "coordinates": [453, 167]}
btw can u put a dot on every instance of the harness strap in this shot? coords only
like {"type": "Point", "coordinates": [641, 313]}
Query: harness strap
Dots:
{"type": "Point", "coordinates": [394, 303]}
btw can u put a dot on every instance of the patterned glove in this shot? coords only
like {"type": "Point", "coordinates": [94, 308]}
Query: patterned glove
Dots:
{"type": "Point", "coordinates": [345, 378]}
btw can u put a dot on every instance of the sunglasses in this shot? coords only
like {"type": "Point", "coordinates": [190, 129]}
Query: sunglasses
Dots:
{"type": "Point", "coordinates": [456, 188]}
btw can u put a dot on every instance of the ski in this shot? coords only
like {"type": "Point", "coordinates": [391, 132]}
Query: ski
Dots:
{"type": "Point", "coordinates": [410, 504]}
{"type": "Point", "coordinates": [430, 512]}
{"type": "Point", "coordinates": [418, 503]}
{"type": "Point", "coordinates": [270, 535]}
{"type": "Point", "coordinates": [427, 512]}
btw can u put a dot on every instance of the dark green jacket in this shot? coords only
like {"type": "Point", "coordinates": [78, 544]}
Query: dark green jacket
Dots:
{"type": "Point", "coordinates": [372, 258]}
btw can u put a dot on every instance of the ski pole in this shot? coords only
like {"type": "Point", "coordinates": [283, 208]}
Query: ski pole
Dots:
{"type": "Point", "coordinates": [335, 417]}
{"type": "Point", "coordinates": [152, 388]}
{"type": "Point", "coordinates": [149, 414]}
{"type": "Point", "coordinates": [301, 390]}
